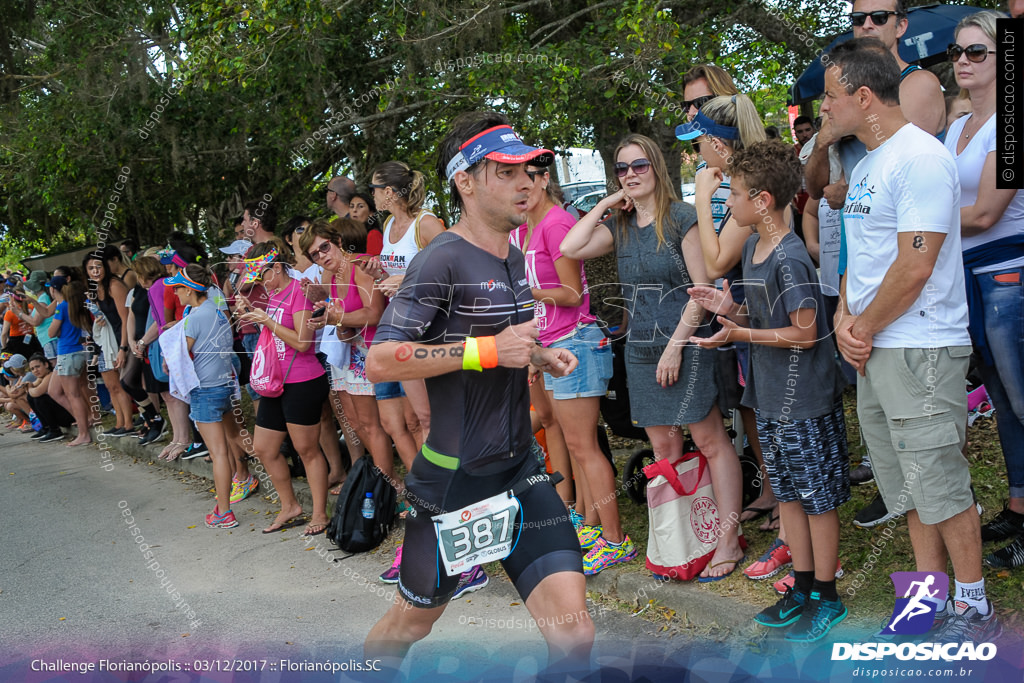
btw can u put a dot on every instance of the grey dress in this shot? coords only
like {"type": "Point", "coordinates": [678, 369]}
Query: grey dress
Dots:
{"type": "Point", "coordinates": [654, 283]}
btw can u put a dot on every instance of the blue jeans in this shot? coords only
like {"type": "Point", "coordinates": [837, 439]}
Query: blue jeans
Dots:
{"type": "Point", "coordinates": [1004, 332]}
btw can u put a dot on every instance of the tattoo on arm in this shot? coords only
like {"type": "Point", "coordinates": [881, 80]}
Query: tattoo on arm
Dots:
{"type": "Point", "coordinates": [405, 351]}
{"type": "Point", "coordinates": [919, 244]}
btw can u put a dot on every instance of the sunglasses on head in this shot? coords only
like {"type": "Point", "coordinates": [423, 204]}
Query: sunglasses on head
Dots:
{"type": "Point", "coordinates": [697, 102]}
{"type": "Point", "coordinates": [315, 254]}
{"type": "Point", "coordinates": [879, 18]}
{"type": "Point", "coordinates": [975, 53]}
{"type": "Point", "coordinates": [639, 166]}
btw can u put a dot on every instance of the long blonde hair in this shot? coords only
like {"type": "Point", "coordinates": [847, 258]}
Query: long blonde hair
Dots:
{"type": "Point", "coordinates": [737, 111]}
{"type": "Point", "coordinates": [664, 193]}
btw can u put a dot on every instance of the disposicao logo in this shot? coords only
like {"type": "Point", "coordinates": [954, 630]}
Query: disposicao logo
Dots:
{"type": "Point", "coordinates": [914, 614]}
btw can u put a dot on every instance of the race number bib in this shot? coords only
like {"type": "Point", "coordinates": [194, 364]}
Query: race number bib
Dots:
{"type": "Point", "coordinates": [478, 533]}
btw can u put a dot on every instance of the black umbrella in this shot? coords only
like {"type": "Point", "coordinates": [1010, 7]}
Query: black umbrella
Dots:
{"type": "Point", "coordinates": [929, 32]}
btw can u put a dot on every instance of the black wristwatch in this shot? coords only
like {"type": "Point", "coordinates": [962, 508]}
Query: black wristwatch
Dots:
{"type": "Point", "coordinates": [124, 348]}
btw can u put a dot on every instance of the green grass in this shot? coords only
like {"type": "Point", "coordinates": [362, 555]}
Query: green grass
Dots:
{"type": "Point", "coordinates": [872, 600]}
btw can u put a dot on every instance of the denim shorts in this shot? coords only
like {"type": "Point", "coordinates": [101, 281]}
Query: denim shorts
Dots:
{"type": "Point", "coordinates": [101, 362]}
{"type": "Point", "coordinates": [593, 350]}
{"type": "Point", "coordinates": [50, 349]}
{"type": "Point", "coordinates": [208, 404]}
{"type": "Point", "coordinates": [71, 364]}
{"type": "Point", "coordinates": [388, 390]}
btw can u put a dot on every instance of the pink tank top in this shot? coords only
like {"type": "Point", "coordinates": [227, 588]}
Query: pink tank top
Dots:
{"type": "Point", "coordinates": [353, 302]}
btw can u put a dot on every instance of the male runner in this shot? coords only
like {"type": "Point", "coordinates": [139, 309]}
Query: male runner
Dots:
{"type": "Point", "coordinates": [463, 321]}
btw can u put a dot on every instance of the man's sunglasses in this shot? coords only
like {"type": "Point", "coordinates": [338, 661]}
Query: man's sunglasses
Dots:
{"type": "Point", "coordinates": [879, 18]}
{"type": "Point", "coordinates": [975, 53]}
{"type": "Point", "coordinates": [697, 102]}
{"type": "Point", "coordinates": [639, 166]}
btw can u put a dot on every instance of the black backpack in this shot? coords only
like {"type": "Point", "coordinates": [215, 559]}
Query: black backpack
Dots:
{"type": "Point", "coordinates": [352, 532]}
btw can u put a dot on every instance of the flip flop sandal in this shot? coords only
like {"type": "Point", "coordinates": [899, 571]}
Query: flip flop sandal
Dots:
{"type": "Point", "coordinates": [734, 563]}
{"type": "Point", "coordinates": [320, 528]}
{"type": "Point", "coordinates": [758, 513]}
{"type": "Point", "coordinates": [290, 524]}
{"type": "Point", "coordinates": [772, 519]}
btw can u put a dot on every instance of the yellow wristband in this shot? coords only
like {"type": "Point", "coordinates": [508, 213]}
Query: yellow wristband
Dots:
{"type": "Point", "coordinates": [471, 355]}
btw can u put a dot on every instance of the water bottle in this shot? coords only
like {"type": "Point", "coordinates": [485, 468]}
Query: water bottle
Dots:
{"type": "Point", "coordinates": [368, 506]}
{"type": "Point", "coordinates": [36, 423]}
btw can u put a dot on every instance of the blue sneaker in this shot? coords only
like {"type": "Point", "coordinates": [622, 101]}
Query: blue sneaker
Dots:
{"type": "Point", "coordinates": [576, 519]}
{"type": "Point", "coordinates": [786, 611]}
{"type": "Point", "coordinates": [470, 581]}
{"type": "Point", "coordinates": [819, 616]}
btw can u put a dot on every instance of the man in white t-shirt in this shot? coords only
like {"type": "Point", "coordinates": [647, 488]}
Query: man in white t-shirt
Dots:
{"type": "Point", "coordinates": [921, 96]}
{"type": "Point", "coordinates": [902, 324]}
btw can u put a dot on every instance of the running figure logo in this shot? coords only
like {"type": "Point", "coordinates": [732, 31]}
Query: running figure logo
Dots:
{"type": "Point", "coordinates": [914, 613]}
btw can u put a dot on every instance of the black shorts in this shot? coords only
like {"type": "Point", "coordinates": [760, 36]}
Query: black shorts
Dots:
{"type": "Point", "coordinates": [150, 383]}
{"type": "Point", "coordinates": [300, 404]}
{"type": "Point", "coordinates": [546, 541]}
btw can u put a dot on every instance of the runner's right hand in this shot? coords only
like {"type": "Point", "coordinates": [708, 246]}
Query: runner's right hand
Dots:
{"type": "Point", "coordinates": [516, 344]}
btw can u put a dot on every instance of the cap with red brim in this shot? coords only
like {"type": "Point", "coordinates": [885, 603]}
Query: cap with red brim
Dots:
{"type": "Point", "coordinates": [500, 144]}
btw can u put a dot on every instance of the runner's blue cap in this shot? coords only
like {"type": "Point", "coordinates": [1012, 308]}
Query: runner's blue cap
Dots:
{"type": "Point", "coordinates": [702, 125]}
{"type": "Point", "coordinates": [501, 144]}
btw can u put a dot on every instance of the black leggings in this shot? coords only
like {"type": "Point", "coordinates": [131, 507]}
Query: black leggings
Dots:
{"type": "Point", "coordinates": [49, 412]}
{"type": "Point", "coordinates": [131, 380]}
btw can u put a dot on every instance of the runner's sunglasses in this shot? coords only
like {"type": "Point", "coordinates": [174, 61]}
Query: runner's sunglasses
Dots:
{"type": "Point", "coordinates": [975, 53]}
{"type": "Point", "coordinates": [879, 18]}
{"type": "Point", "coordinates": [639, 166]}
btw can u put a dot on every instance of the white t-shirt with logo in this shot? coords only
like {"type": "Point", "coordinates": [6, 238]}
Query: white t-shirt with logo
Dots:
{"type": "Point", "coordinates": [909, 183]}
{"type": "Point", "coordinates": [970, 163]}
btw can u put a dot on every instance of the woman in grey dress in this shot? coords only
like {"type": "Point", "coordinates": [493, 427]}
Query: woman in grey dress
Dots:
{"type": "Point", "coordinates": [671, 383]}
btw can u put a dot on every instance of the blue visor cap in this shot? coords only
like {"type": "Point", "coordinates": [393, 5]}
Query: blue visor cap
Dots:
{"type": "Point", "coordinates": [183, 280]}
{"type": "Point", "coordinates": [702, 125]}
{"type": "Point", "coordinates": [501, 144]}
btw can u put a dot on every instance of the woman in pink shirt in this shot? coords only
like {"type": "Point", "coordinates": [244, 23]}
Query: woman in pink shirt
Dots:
{"type": "Point", "coordinates": [354, 309]}
{"type": "Point", "coordinates": [564, 320]}
{"type": "Point", "coordinates": [296, 412]}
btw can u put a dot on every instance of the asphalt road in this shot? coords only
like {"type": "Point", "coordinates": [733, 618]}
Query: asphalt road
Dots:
{"type": "Point", "coordinates": [106, 566]}
{"type": "Point", "coordinates": [75, 585]}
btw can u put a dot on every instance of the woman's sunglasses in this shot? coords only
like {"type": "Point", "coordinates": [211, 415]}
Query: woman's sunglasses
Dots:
{"type": "Point", "coordinates": [315, 254]}
{"type": "Point", "coordinates": [879, 18]}
{"type": "Point", "coordinates": [975, 53]}
{"type": "Point", "coordinates": [639, 166]}
{"type": "Point", "coordinates": [697, 102]}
